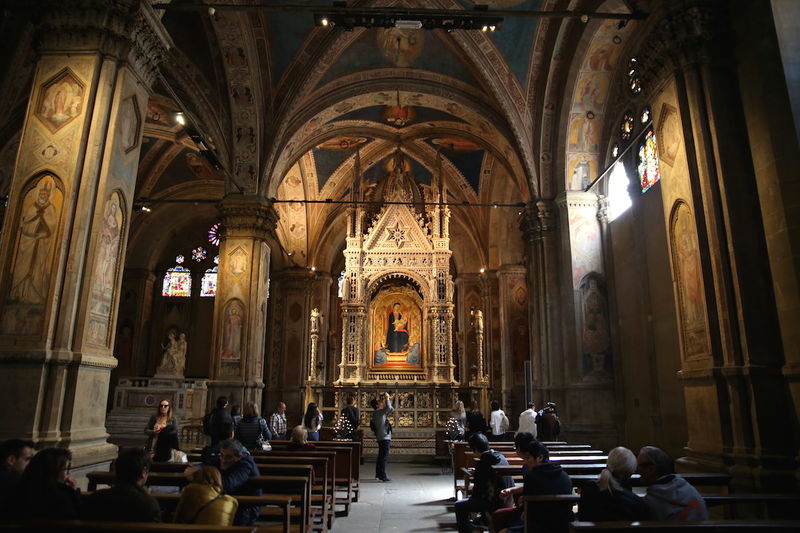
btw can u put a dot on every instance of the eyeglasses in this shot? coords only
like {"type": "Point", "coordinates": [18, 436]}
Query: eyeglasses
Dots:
{"type": "Point", "coordinates": [164, 405]}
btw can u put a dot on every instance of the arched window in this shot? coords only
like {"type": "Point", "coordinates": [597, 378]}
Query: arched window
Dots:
{"type": "Point", "coordinates": [647, 161]}
{"type": "Point", "coordinates": [208, 285]}
{"type": "Point", "coordinates": [177, 280]}
{"type": "Point", "coordinates": [619, 196]}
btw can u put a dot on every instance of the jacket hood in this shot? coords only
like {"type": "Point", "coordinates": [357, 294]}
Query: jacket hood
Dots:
{"type": "Point", "coordinates": [549, 470]}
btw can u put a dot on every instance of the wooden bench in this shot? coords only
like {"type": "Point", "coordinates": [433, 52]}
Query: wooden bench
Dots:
{"type": "Point", "coordinates": [281, 501]}
{"type": "Point", "coordinates": [356, 460]}
{"type": "Point", "coordinates": [706, 526]}
{"type": "Point", "coordinates": [323, 489]}
{"type": "Point", "coordinates": [298, 487]}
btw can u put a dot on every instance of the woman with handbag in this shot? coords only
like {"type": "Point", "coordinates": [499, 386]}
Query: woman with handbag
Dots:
{"type": "Point", "coordinates": [204, 502]}
{"type": "Point", "coordinates": [252, 431]}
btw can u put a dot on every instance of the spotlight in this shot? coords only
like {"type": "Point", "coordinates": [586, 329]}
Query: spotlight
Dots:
{"type": "Point", "coordinates": [584, 18]}
{"type": "Point", "coordinates": [485, 28]}
{"type": "Point", "coordinates": [492, 27]}
{"type": "Point", "coordinates": [211, 11]}
{"type": "Point", "coordinates": [180, 119]}
{"type": "Point", "coordinates": [313, 269]}
{"type": "Point", "coordinates": [324, 21]}
{"type": "Point", "coordinates": [483, 270]}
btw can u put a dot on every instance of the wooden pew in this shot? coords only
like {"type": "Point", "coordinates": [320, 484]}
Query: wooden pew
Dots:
{"type": "Point", "coordinates": [323, 490]}
{"type": "Point", "coordinates": [706, 526]}
{"type": "Point", "coordinates": [299, 487]}
{"type": "Point", "coordinates": [79, 526]}
{"type": "Point", "coordinates": [356, 461]}
{"type": "Point", "coordinates": [281, 501]}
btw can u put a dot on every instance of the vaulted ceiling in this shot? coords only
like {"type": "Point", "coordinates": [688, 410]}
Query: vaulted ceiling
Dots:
{"type": "Point", "coordinates": [286, 105]}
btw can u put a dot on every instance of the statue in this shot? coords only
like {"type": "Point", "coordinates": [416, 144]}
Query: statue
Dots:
{"type": "Point", "coordinates": [316, 320]}
{"type": "Point", "coordinates": [173, 362]}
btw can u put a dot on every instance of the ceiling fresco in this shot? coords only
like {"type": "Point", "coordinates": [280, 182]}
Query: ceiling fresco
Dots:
{"type": "Point", "coordinates": [380, 169]}
{"type": "Point", "coordinates": [465, 155]}
{"type": "Point", "coordinates": [186, 166]}
{"type": "Point", "coordinates": [331, 154]}
{"type": "Point", "coordinates": [399, 116]}
{"type": "Point", "coordinates": [386, 48]}
{"type": "Point", "coordinates": [515, 37]}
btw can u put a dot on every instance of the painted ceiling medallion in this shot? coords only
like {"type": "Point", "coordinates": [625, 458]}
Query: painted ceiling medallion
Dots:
{"type": "Point", "coordinates": [397, 234]}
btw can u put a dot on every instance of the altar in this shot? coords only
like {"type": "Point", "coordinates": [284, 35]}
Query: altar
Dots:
{"type": "Point", "coordinates": [397, 309]}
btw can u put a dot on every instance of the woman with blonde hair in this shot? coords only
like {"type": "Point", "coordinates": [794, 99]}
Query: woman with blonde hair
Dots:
{"type": "Point", "coordinates": [610, 498]}
{"type": "Point", "coordinates": [204, 502]}
{"type": "Point", "coordinates": [162, 429]}
{"type": "Point", "coordinates": [299, 439]}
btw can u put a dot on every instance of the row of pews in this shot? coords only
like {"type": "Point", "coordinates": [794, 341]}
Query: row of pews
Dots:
{"type": "Point", "coordinates": [583, 464]}
{"type": "Point", "coordinates": [303, 492]}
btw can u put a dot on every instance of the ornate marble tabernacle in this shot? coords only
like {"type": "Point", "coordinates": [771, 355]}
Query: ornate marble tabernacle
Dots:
{"type": "Point", "coordinates": [397, 303]}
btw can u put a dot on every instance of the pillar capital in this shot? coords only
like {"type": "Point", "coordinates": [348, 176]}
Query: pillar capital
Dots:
{"type": "Point", "coordinates": [539, 218]}
{"type": "Point", "coordinates": [248, 216]}
{"type": "Point", "coordinates": [128, 30]}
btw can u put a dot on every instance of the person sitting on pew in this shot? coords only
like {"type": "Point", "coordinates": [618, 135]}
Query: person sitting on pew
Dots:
{"type": "Point", "coordinates": [203, 501]}
{"type": "Point", "coordinates": [15, 454]}
{"type": "Point", "coordinates": [299, 440]}
{"type": "Point", "coordinates": [127, 500]}
{"type": "Point", "coordinates": [505, 516]}
{"type": "Point", "coordinates": [46, 490]}
{"type": "Point", "coordinates": [236, 466]}
{"type": "Point", "coordinates": [669, 496]}
{"type": "Point", "coordinates": [543, 478]}
{"type": "Point", "coordinates": [481, 498]}
{"type": "Point", "coordinates": [610, 498]}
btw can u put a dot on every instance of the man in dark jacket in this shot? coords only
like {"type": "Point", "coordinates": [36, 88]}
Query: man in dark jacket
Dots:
{"type": "Point", "coordinates": [215, 422]}
{"type": "Point", "coordinates": [481, 498]}
{"type": "Point", "coordinates": [236, 467]}
{"type": "Point", "coordinates": [127, 500]}
{"type": "Point", "coordinates": [544, 478]}
{"type": "Point", "coordinates": [15, 454]}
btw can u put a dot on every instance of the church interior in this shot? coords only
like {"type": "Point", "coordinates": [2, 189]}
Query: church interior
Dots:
{"type": "Point", "coordinates": [585, 202]}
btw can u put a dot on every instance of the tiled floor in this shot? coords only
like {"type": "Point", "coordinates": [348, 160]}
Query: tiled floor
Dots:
{"type": "Point", "coordinates": [418, 499]}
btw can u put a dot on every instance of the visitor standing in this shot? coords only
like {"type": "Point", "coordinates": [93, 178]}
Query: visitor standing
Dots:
{"type": "Point", "coordinates": [277, 422]}
{"type": "Point", "coordinates": [383, 432]}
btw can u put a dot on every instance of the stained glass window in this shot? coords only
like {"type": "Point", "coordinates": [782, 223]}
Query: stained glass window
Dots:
{"type": "Point", "coordinates": [177, 282]}
{"type": "Point", "coordinates": [208, 285]}
{"type": "Point", "coordinates": [214, 233]}
{"type": "Point", "coordinates": [647, 165]}
{"type": "Point", "coordinates": [198, 254]}
{"type": "Point", "coordinates": [619, 196]}
{"type": "Point", "coordinates": [644, 118]}
{"type": "Point", "coordinates": [179, 259]}
{"type": "Point", "coordinates": [626, 126]}
{"type": "Point", "coordinates": [634, 79]}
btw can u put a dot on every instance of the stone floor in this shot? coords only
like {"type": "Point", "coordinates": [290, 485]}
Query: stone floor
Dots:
{"type": "Point", "coordinates": [419, 498]}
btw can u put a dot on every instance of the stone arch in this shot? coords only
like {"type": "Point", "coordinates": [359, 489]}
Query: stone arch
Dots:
{"type": "Point", "coordinates": [419, 282]}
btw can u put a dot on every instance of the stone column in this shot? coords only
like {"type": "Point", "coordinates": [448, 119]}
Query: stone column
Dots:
{"type": "Point", "coordinates": [67, 224]}
{"type": "Point", "coordinates": [240, 308]}
{"type": "Point", "coordinates": [738, 403]}
{"type": "Point", "coordinates": [514, 336]}
{"type": "Point", "coordinates": [539, 227]}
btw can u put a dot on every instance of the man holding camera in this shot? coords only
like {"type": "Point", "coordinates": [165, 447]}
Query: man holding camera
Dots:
{"type": "Point", "coordinates": [383, 432]}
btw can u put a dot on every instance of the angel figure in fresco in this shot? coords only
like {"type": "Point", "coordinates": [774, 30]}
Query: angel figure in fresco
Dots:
{"type": "Point", "coordinates": [397, 330]}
